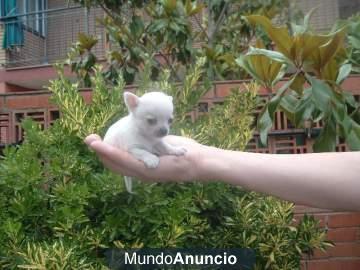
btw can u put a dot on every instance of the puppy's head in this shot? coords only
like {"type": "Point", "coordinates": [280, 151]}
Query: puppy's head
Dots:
{"type": "Point", "coordinates": [152, 113]}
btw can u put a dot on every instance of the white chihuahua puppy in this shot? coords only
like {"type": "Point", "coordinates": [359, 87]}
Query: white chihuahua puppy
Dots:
{"type": "Point", "coordinates": [141, 132]}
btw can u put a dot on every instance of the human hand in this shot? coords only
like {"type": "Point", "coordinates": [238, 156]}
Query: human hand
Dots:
{"type": "Point", "coordinates": [171, 168]}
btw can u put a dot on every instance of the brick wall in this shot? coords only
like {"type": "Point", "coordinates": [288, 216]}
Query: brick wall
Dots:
{"type": "Point", "coordinates": [35, 105]}
{"type": "Point", "coordinates": [344, 230]}
{"type": "Point", "coordinates": [4, 128]}
{"type": "Point", "coordinates": [2, 51]}
{"type": "Point", "coordinates": [325, 15]}
{"type": "Point", "coordinates": [32, 53]}
{"type": "Point", "coordinates": [64, 26]}
{"type": "Point", "coordinates": [328, 11]}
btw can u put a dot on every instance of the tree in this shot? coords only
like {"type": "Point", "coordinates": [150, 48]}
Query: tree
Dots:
{"type": "Point", "coordinates": [313, 91]}
{"type": "Point", "coordinates": [167, 31]}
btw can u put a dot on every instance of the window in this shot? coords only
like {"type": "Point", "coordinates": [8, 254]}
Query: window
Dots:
{"type": "Point", "coordinates": [348, 8]}
{"type": "Point", "coordinates": [35, 21]}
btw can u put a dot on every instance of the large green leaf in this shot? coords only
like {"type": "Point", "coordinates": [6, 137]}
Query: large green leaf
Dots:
{"type": "Point", "coordinates": [280, 35]}
{"type": "Point", "coordinates": [274, 55]}
{"type": "Point", "coordinates": [304, 109]}
{"type": "Point", "coordinates": [264, 124]}
{"type": "Point", "coordinates": [327, 51]}
{"type": "Point", "coordinates": [321, 55]}
{"type": "Point", "coordinates": [169, 5]}
{"type": "Point", "coordinates": [264, 65]}
{"type": "Point", "coordinates": [353, 138]}
{"type": "Point", "coordinates": [87, 41]}
{"type": "Point", "coordinates": [136, 26]}
{"type": "Point", "coordinates": [243, 62]}
{"type": "Point", "coordinates": [193, 8]}
{"type": "Point", "coordinates": [321, 93]}
{"type": "Point", "coordinates": [326, 141]}
{"type": "Point", "coordinates": [266, 117]}
{"type": "Point", "coordinates": [343, 73]}
{"type": "Point", "coordinates": [288, 104]}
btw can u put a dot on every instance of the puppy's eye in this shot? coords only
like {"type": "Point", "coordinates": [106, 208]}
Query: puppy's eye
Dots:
{"type": "Point", "coordinates": [151, 121]}
{"type": "Point", "coordinates": [170, 120]}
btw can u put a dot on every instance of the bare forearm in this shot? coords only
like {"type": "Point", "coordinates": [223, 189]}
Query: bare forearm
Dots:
{"type": "Point", "coordinates": [325, 180]}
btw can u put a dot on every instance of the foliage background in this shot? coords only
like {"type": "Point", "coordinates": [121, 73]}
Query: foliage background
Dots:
{"type": "Point", "coordinates": [61, 209]}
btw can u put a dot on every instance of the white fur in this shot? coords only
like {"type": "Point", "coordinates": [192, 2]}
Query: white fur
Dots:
{"type": "Point", "coordinates": [139, 136]}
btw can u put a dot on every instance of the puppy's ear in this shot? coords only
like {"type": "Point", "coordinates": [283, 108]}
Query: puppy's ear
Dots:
{"type": "Point", "coordinates": [131, 100]}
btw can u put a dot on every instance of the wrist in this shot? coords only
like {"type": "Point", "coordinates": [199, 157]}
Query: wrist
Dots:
{"type": "Point", "coordinates": [211, 165]}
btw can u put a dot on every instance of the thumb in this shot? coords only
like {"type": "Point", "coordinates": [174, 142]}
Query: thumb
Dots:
{"type": "Point", "coordinates": [92, 138]}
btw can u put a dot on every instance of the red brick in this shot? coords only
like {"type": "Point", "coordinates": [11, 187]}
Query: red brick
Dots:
{"type": "Point", "coordinates": [344, 220]}
{"type": "Point", "coordinates": [303, 265]}
{"type": "Point", "coordinates": [344, 234]}
{"type": "Point", "coordinates": [86, 94]}
{"type": "Point", "coordinates": [320, 217]}
{"type": "Point", "coordinates": [318, 254]}
{"type": "Point", "coordinates": [351, 84]}
{"type": "Point", "coordinates": [302, 209]}
{"type": "Point", "coordinates": [2, 102]}
{"type": "Point", "coordinates": [350, 249]}
{"type": "Point", "coordinates": [209, 94]}
{"type": "Point", "coordinates": [43, 73]}
{"type": "Point", "coordinates": [22, 102]}
{"type": "Point", "coordinates": [222, 90]}
{"type": "Point", "coordinates": [345, 250]}
{"type": "Point", "coordinates": [347, 264]}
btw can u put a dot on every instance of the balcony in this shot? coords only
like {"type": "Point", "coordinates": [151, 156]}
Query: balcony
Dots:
{"type": "Point", "coordinates": [46, 36]}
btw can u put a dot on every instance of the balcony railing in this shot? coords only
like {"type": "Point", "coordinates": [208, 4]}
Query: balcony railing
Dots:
{"type": "Point", "coordinates": [46, 36]}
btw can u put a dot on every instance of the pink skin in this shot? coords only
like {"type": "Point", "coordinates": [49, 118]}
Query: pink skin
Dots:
{"type": "Point", "coordinates": [171, 168]}
{"type": "Point", "coordinates": [324, 180]}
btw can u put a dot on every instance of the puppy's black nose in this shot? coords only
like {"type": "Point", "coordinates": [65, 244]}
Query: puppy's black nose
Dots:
{"type": "Point", "coordinates": [162, 131]}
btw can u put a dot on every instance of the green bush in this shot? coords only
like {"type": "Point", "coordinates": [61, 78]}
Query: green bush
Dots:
{"type": "Point", "coordinates": [61, 209]}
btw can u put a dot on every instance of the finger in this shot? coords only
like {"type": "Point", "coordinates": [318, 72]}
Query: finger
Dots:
{"type": "Point", "coordinates": [116, 156]}
{"type": "Point", "coordinates": [115, 167]}
{"type": "Point", "coordinates": [124, 171]}
{"type": "Point", "coordinates": [92, 138]}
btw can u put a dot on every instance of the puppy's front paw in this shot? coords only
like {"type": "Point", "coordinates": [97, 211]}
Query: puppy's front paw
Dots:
{"type": "Point", "coordinates": [178, 151]}
{"type": "Point", "coordinates": [151, 162]}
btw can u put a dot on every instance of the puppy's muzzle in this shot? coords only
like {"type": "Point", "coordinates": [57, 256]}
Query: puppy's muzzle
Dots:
{"type": "Point", "coordinates": [162, 132]}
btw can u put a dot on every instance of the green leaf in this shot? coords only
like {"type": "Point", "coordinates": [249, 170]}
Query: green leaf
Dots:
{"type": "Point", "coordinates": [328, 50]}
{"type": "Point", "coordinates": [349, 98]}
{"type": "Point", "coordinates": [243, 62]}
{"type": "Point", "coordinates": [276, 56]}
{"type": "Point", "coordinates": [304, 109]}
{"type": "Point", "coordinates": [191, 9]}
{"type": "Point", "coordinates": [272, 257]}
{"type": "Point", "coordinates": [288, 104]}
{"type": "Point", "coordinates": [353, 139]}
{"type": "Point", "coordinates": [322, 94]}
{"type": "Point", "coordinates": [266, 117]}
{"type": "Point", "coordinates": [343, 73]}
{"type": "Point", "coordinates": [86, 42]}
{"type": "Point", "coordinates": [169, 5]}
{"type": "Point", "coordinates": [265, 122]}
{"type": "Point", "coordinates": [157, 25]}
{"type": "Point", "coordinates": [355, 42]}
{"type": "Point", "coordinates": [326, 142]}
{"type": "Point", "coordinates": [279, 35]}
{"type": "Point", "coordinates": [136, 26]}
{"type": "Point", "coordinates": [301, 29]}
